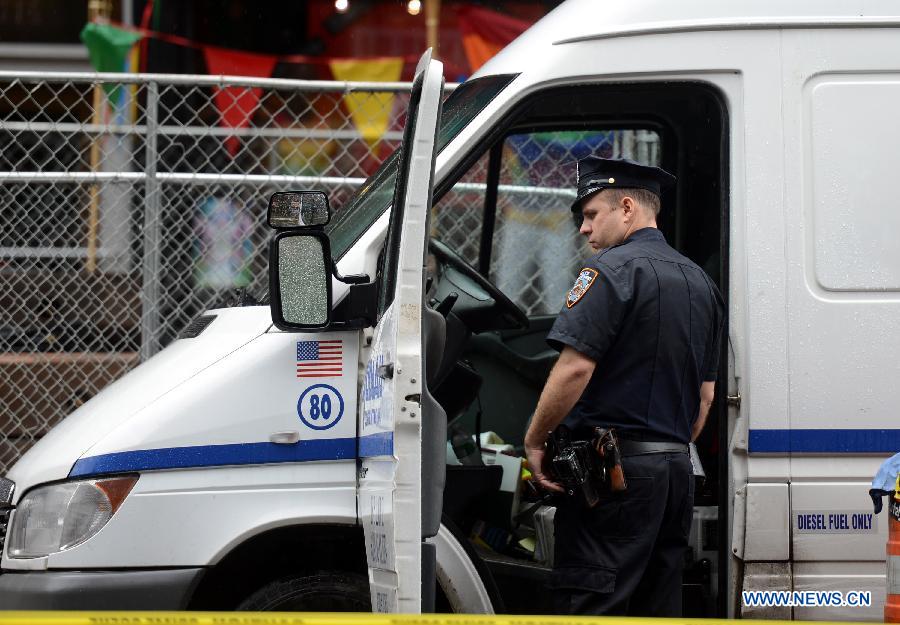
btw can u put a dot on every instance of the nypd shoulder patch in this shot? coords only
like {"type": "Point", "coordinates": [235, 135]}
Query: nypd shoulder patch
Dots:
{"type": "Point", "coordinates": [582, 283]}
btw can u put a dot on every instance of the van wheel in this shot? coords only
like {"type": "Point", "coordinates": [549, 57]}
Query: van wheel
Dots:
{"type": "Point", "coordinates": [333, 591]}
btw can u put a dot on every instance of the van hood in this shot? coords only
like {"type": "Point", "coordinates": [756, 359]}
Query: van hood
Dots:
{"type": "Point", "coordinates": [52, 457]}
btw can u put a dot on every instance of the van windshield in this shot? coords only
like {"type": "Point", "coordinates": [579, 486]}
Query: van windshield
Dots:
{"type": "Point", "coordinates": [375, 195]}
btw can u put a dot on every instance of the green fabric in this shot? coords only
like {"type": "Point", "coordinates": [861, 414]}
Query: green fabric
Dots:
{"type": "Point", "coordinates": [108, 47]}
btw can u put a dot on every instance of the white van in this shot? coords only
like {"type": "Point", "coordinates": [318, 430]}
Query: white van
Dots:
{"type": "Point", "coordinates": [249, 466]}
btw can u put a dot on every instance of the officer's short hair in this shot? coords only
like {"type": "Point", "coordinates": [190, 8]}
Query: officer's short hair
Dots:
{"type": "Point", "coordinates": [647, 199]}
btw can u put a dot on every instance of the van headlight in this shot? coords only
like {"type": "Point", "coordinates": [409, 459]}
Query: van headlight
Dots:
{"type": "Point", "coordinates": [57, 517]}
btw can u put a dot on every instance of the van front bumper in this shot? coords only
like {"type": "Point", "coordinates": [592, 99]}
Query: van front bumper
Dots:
{"type": "Point", "coordinates": [168, 589]}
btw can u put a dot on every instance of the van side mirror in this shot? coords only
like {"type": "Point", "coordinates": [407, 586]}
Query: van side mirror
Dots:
{"type": "Point", "coordinates": [300, 280]}
{"type": "Point", "coordinates": [298, 209]}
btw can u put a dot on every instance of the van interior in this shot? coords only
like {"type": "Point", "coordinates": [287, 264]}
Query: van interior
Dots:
{"type": "Point", "coordinates": [495, 285]}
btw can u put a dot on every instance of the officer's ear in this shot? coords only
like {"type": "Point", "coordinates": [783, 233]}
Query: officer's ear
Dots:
{"type": "Point", "coordinates": [629, 207]}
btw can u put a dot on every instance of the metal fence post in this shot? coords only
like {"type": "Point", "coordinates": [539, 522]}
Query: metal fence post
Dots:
{"type": "Point", "coordinates": [151, 249]}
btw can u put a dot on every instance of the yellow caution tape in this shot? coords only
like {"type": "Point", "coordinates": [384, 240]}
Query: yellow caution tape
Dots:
{"type": "Point", "coordinates": [326, 618]}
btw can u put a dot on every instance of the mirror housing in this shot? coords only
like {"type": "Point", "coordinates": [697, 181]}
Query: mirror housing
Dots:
{"type": "Point", "coordinates": [298, 209]}
{"type": "Point", "coordinates": [300, 270]}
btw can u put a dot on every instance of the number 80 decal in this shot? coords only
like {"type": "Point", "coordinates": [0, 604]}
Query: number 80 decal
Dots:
{"type": "Point", "coordinates": [320, 406]}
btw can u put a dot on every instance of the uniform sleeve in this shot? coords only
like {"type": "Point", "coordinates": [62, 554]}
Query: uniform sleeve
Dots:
{"type": "Point", "coordinates": [592, 314]}
{"type": "Point", "coordinates": [711, 370]}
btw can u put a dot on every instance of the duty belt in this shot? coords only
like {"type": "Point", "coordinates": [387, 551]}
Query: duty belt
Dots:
{"type": "Point", "coordinates": [641, 448]}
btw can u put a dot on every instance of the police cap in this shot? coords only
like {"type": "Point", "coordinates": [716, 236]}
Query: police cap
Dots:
{"type": "Point", "coordinates": [594, 174]}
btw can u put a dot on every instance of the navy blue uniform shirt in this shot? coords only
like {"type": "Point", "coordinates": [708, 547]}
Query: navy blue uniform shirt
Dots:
{"type": "Point", "coordinates": [652, 321]}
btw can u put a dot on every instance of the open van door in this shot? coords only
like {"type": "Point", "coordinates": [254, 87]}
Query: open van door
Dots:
{"type": "Point", "coordinates": [391, 417]}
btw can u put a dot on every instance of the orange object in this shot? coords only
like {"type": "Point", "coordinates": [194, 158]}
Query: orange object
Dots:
{"type": "Point", "coordinates": [486, 32]}
{"type": "Point", "coordinates": [892, 600]}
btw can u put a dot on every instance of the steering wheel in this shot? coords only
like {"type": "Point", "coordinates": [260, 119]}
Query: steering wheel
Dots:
{"type": "Point", "coordinates": [507, 307]}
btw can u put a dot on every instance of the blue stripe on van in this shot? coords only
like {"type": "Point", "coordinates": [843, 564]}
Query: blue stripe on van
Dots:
{"type": "Point", "coordinates": [381, 444]}
{"type": "Point", "coordinates": [824, 441]}
{"type": "Point", "coordinates": [215, 456]}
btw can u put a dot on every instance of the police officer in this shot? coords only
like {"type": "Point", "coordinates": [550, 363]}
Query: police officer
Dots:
{"type": "Point", "coordinates": [639, 337]}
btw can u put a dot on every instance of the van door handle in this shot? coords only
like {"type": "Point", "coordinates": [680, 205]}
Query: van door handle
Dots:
{"type": "Point", "coordinates": [734, 400]}
{"type": "Point", "coordinates": [288, 437]}
{"type": "Point", "coordinates": [385, 372]}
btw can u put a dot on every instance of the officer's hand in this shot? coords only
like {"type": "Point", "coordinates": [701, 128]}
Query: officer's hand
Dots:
{"type": "Point", "coordinates": [536, 457]}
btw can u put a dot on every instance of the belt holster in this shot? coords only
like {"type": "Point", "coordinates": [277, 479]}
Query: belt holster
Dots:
{"type": "Point", "coordinates": [607, 445]}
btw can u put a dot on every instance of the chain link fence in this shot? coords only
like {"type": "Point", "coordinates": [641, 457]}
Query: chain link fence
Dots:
{"type": "Point", "coordinates": [127, 208]}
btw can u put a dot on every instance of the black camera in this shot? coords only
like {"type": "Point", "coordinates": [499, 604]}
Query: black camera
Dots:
{"type": "Point", "coordinates": [576, 465]}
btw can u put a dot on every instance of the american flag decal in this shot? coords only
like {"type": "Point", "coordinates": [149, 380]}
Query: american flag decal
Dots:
{"type": "Point", "coordinates": [319, 359]}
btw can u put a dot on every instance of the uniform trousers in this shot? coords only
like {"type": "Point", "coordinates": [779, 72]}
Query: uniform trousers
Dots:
{"type": "Point", "coordinates": [625, 555]}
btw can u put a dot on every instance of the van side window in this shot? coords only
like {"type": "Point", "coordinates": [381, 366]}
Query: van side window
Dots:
{"type": "Point", "coordinates": [457, 218]}
{"type": "Point", "coordinates": [535, 249]}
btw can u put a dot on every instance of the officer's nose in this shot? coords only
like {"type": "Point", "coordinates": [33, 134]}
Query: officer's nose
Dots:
{"type": "Point", "coordinates": [585, 228]}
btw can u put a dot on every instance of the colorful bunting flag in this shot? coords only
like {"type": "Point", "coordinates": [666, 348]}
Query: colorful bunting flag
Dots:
{"type": "Point", "coordinates": [370, 112]}
{"type": "Point", "coordinates": [237, 104]}
{"type": "Point", "coordinates": [108, 49]}
{"type": "Point", "coordinates": [111, 49]}
{"type": "Point", "coordinates": [486, 32]}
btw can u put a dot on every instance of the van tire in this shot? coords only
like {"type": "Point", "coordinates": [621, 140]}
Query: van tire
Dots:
{"type": "Point", "coordinates": [331, 591]}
